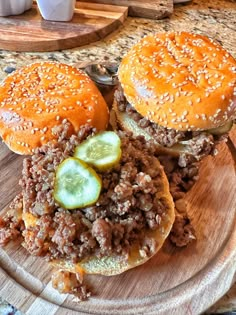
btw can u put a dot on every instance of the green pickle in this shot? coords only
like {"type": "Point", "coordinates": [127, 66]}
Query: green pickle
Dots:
{"type": "Point", "coordinates": [102, 151]}
{"type": "Point", "coordinates": [222, 129]}
{"type": "Point", "coordinates": [76, 185]}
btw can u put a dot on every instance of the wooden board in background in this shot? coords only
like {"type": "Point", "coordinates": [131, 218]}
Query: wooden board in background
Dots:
{"type": "Point", "coordinates": [30, 32]}
{"type": "Point", "coordinates": [151, 9]}
{"type": "Point", "coordinates": [175, 281]}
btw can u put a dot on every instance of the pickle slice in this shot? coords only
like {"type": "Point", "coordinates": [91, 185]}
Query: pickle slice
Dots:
{"type": "Point", "coordinates": [101, 151]}
{"type": "Point", "coordinates": [76, 185]}
{"type": "Point", "coordinates": [222, 129]}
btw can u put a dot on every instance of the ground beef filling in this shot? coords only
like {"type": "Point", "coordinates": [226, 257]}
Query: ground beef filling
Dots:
{"type": "Point", "coordinates": [127, 204]}
{"type": "Point", "coordinates": [200, 144]}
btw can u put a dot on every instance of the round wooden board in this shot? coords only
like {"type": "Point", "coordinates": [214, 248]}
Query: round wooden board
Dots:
{"type": "Point", "coordinates": [175, 281]}
{"type": "Point", "coordinates": [30, 32]}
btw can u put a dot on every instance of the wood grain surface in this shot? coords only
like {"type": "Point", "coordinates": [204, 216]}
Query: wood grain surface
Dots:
{"type": "Point", "coordinates": [152, 9]}
{"type": "Point", "coordinates": [175, 281]}
{"type": "Point", "coordinates": [30, 32]}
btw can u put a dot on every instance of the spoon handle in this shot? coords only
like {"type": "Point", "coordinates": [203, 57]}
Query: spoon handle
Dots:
{"type": "Point", "coordinates": [106, 90]}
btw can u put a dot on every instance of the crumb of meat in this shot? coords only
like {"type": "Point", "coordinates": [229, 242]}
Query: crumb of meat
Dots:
{"type": "Point", "coordinates": [70, 283]}
{"type": "Point", "coordinates": [11, 224]}
{"type": "Point", "coordinates": [182, 232]}
{"type": "Point", "coordinates": [149, 246]}
{"type": "Point", "coordinates": [101, 231]}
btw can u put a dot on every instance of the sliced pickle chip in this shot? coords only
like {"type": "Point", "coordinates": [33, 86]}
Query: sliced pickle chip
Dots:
{"type": "Point", "coordinates": [76, 185]}
{"type": "Point", "coordinates": [222, 129]}
{"type": "Point", "coordinates": [101, 151]}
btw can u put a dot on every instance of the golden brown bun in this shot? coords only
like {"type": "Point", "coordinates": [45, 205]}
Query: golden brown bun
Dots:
{"type": "Point", "coordinates": [38, 97]}
{"type": "Point", "coordinates": [180, 80]}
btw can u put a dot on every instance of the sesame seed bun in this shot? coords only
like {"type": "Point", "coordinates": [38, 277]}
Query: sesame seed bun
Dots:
{"type": "Point", "coordinates": [181, 81]}
{"type": "Point", "coordinates": [41, 96]}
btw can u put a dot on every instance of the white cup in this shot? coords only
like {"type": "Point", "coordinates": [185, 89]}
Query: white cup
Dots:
{"type": "Point", "coordinates": [14, 7]}
{"type": "Point", "coordinates": [56, 10]}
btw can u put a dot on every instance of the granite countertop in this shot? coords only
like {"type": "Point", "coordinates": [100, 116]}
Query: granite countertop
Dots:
{"type": "Point", "coordinates": [214, 18]}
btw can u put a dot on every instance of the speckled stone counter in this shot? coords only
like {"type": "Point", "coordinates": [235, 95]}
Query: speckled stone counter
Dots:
{"type": "Point", "coordinates": [214, 18]}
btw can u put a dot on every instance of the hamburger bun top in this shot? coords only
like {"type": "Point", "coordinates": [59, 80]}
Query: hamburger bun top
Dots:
{"type": "Point", "coordinates": [180, 80]}
{"type": "Point", "coordinates": [37, 98]}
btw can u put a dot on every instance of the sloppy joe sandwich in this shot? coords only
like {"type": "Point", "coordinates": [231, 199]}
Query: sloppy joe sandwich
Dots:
{"type": "Point", "coordinates": [95, 203]}
{"type": "Point", "coordinates": [179, 89]}
{"type": "Point", "coordinates": [37, 98]}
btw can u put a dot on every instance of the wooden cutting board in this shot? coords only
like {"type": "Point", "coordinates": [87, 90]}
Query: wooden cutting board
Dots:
{"type": "Point", "coordinates": [175, 281]}
{"type": "Point", "coordinates": [151, 9]}
{"type": "Point", "coordinates": [30, 32]}
{"type": "Point", "coordinates": [92, 21]}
